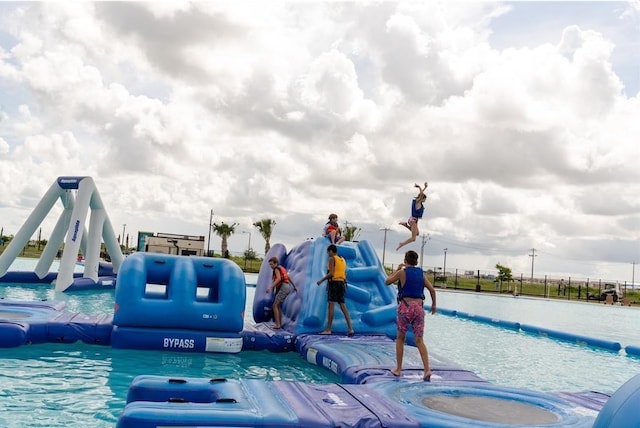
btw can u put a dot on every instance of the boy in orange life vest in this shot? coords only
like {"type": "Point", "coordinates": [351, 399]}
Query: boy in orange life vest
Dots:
{"type": "Point", "coordinates": [336, 289]}
{"type": "Point", "coordinates": [417, 209]}
{"type": "Point", "coordinates": [410, 310]}
{"type": "Point", "coordinates": [281, 283]}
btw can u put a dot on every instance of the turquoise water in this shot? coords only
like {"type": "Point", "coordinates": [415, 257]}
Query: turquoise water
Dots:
{"type": "Point", "coordinates": [69, 385]}
{"type": "Point", "coordinates": [55, 385]}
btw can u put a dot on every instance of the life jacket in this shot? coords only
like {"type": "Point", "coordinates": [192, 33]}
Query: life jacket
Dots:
{"type": "Point", "coordinates": [413, 284]}
{"type": "Point", "coordinates": [417, 213]}
{"type": "Point", "coordinates": [284, 276]}
{"type": "Point", "coordinates": [330, 227]}
{"type": "Point", "coordinates": [339, 269]}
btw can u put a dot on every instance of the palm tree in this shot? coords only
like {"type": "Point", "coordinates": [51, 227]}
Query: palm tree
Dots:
{"type": "Point", "coordinates": [265, 227]}
{"type": "Point", "coordinates": [224, 231]}
{"type": "Point", "coordinates": [352, 232]}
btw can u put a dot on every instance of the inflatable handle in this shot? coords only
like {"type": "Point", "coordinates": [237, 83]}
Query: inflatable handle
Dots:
{"type": "Point", "coordinates": [358, 294]}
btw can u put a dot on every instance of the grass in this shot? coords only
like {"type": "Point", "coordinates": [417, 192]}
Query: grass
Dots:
{"type": "Point", "coordinates": [549, 290]}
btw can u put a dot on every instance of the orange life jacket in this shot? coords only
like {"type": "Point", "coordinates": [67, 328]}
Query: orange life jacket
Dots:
{"type": "Point", "coordinates": [284, 276]}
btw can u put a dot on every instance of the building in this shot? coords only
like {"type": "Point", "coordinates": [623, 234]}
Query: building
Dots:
{"type": "Point", "coordinates": [169, 243]}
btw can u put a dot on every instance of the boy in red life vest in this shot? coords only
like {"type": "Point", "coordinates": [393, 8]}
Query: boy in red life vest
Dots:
{"type": "Point", "coordinates": [332, 230]}
{"type": "Point", "coordinates": [282, 284]}
{"type": "Point", "coordinates": [417, 209]}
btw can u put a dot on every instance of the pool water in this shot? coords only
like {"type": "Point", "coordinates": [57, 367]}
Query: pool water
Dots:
{"type": "Point", "coordinates": [69, 385]}
{"type": "Point", "coordinates": [56, 385]}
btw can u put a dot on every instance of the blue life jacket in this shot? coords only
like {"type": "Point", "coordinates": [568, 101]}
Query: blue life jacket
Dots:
{"type": "Point", "coordinates": [414, 284]}
{"type": "Point", "coordinates": [417, 213]}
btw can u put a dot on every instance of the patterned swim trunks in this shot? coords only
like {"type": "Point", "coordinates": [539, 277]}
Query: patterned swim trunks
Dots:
{"type": "Point", "coordinates": [411, 313]}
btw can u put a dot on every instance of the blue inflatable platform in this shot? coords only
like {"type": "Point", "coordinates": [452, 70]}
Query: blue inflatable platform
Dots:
{"type": "Point", "coordinates": [189, 304]}
{"type": "Point", "coordinates": [24, 323]}
{"type": "Point", "coordinates": [368, 396]}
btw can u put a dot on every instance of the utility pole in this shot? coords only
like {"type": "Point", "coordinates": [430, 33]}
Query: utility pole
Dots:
{"type": "Point", "coordinates": [633, 274]}
{"type": "Point", "coordinates": [444, 269]}
{"type": "Point", "coordinates": [209, 238]}
{"type": "Point", "coordinates": [384, 244]}
{"type": "Point", "coordinates": [532, 255]}
{"type": "Point", "coordinates": [425, 238]}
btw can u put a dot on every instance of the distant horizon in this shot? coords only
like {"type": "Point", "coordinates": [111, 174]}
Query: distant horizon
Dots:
{"type": "Point", "coordinates": [430, 269]}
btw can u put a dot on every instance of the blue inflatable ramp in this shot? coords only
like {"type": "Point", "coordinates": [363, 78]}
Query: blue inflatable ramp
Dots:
{"type": "Point", "coordinates": [371, 303]}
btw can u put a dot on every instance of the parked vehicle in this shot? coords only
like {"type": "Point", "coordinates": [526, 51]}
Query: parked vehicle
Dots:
{"type": "Point", "coordinates": [611, 289]}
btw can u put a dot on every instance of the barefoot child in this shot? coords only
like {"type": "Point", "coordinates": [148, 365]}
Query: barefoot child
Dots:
{"type": "Point", "coordinates": [336, 289]}
{"type": "Point", "coordinates": [410, 310]}
{"type": "Point", "coordinates": [282, 284]}
{"type": "Point", "coordinates": [417, 209]}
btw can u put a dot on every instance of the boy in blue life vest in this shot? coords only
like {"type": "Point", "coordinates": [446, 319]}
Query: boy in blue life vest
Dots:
{"type": "Point", "coordinates": [417, 209]}
{"type": "Point", "coordinates": [282, 284]}
{"type": "Point", "coordinates": [412, 282]}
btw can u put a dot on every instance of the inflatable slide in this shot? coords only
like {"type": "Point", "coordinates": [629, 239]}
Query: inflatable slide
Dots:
{"type": "Point", "coordinates": [371, 303]}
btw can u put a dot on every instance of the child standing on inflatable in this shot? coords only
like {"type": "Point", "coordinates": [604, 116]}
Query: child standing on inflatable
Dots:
{"type": "Point", "coordinates": [336, 289]}
{"type": "Point", "coordinates": [410, 308]}
{"type": "Point", "coordinates": [281, 283]}
{"type": "Point", "coordinates": [332, 230]}
{"type": "Point", "coordinates": [417, 209]}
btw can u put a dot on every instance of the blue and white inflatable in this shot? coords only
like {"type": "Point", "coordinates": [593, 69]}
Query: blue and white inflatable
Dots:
{"type": "Point", "coordinates": [190, 304]}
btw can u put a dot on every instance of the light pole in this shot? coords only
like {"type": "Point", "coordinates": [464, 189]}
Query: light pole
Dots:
{"type": "Point", "coordinates": [532, 255]}
{"type": "Point", "coordinates": [384, 245]}
{"type": "Point", "coordinates": [248, 249]}
{"type": "Point", "coordinates": [425, 238]}
{"type": "Point", "coordinates": [209, 238]}
{"type": "Point", "coordinates": [444, 269]}
{"type": "Point", "coordinates": [124, 226]}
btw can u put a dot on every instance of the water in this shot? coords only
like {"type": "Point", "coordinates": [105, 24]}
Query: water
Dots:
{"type": "Point", "coordinates": [62, 385]}
{"type": "Point", "coordinates": [56, 385]}
{"type": "Point", "coordinates": [518, 359]}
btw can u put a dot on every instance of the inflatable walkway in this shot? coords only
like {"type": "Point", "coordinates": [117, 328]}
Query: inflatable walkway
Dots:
{"type": "Point", "coordinates": [368, 396]}
{"type": "Point", "coordinates": [24, 323]}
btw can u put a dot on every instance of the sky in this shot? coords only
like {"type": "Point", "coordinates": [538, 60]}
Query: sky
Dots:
{"type": "Point", "coordinates": [523, 117]}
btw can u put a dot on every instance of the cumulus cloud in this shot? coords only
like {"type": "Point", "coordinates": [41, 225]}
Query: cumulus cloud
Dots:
{"type": "Point", "coordinates": [297, 110]}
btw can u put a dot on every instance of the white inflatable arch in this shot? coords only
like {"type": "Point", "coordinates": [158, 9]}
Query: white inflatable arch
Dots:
{"type": "Point", "coordinates": [72, 221]}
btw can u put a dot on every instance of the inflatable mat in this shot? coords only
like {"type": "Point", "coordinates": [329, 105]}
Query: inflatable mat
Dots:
{"type": "Point", "coordinates": [369, 358]}
{"type": "Point", "coordinates": [23, 323]}
{"type": "Point", "coordinates": [155, 401]}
